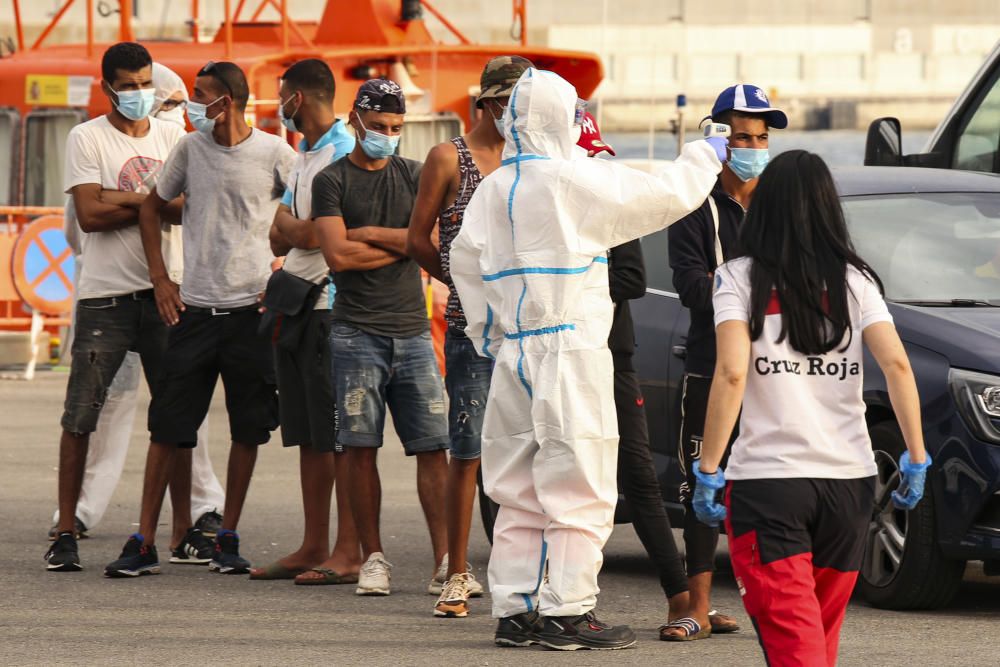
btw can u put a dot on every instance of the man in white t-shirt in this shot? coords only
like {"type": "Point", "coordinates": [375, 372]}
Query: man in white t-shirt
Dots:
{"type": "Point", "coordinates": [111, 162]}
{"type": "Point", "coordinates": [232, 177]}
{"type": "Point", "coordinates": [109, 442]}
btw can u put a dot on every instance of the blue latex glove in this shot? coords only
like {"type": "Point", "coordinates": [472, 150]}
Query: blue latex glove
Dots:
{"type": "Point", "coordinates": [911, 482]}
{"type": "Point", "coordinates": [708, 511]}
{"type": "Point", "coordinates": [719, 144]}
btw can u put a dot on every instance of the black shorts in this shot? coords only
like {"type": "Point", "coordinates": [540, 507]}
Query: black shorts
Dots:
{"type": "Point", "coordinates": [305, 385]}
{"type": "Point", "coordinates": [200, 348]}
{"type": "Point", "coordinates": [106, 329]}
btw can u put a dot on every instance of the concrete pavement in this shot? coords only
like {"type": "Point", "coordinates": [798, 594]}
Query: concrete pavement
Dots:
{"type": "Point", "coordinates": [189, 615]}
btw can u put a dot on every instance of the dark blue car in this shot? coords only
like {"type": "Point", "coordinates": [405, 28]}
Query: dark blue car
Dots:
{"type": "Point", "coordinates": [933, 236]}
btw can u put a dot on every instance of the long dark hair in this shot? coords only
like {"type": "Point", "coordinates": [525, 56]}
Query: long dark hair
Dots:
{"type": "Point", "coordinates": [796, 235]}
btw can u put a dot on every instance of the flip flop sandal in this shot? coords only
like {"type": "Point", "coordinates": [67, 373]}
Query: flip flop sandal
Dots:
{"type": "Point", "coordinates": [722, 624]}
{"type": "Point", "coordinates": [276, 571]}
{"type": "Point", "coordinates": [692, 630]}
{"type": "Point", "coordinates": [329, 578]}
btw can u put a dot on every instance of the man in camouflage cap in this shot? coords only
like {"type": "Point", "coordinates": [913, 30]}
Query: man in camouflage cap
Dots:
{"type": "Point", "coordinates": [499, 76]}
{"type": "Point", "coordinates": [451, 174]}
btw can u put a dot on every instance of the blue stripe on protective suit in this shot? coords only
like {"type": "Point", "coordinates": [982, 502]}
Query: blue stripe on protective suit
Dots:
{"type": "Point", "coordinates": [520, 343]}
{"type": "Point", "coordinates": [486, 332]}
{"type": "Point", "coordinates": [539, 332]}
{"type": "Point", "coordinates": [547, 270]}
{"type": "Point", "coordinates": [510, 216]}
{"type": "Point", "coordinates": [521, 158]}
{"type": "Point", "coordinates": [541, 574]}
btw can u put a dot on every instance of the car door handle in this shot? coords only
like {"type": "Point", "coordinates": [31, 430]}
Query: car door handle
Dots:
{"type": "Point", "coordinates": [679, 351]}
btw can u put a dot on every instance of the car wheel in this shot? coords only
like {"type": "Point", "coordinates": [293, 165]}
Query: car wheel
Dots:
{"type": "Point", "coordinates": [903, 566]}
{"type": "Point", "coordinates": [487, 508]}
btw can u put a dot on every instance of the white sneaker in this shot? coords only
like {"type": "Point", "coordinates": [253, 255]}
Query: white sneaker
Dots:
{"type": "Point", "coordinates": [453, 602]}
{"type": "Point", "coordinates": [375, 575]}
{"type": "Point", "coordinates": [436, 587]}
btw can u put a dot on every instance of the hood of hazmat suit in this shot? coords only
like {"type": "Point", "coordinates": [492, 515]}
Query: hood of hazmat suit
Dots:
{"type": "Point", "coordinates": [530, 267]}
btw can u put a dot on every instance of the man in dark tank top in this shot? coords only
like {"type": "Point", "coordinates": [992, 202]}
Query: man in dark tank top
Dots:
{"type": "Point", "coordinates": [450, 176]}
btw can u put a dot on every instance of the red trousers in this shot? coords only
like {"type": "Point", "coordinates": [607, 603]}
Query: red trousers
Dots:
{"type": "Point", "coordinates": [796, 546]}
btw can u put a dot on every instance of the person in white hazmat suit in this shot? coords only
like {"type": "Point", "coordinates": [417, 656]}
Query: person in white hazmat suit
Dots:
{"type": "Point", "coordinates": [530, 266]}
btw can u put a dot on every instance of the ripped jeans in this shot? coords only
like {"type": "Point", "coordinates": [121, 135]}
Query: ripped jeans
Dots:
{"type": "Point", "coordinates": [372, 373]}
{"type": "Point", "coordinates": [468, 383]}
{"type": "Point", "coordinates": [106, 329]}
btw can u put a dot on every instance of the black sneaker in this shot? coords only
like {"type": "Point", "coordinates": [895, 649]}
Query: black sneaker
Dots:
{"type": "Point", "coordinates": [136, 560]}
{"type": "Point", "coordinates": [209, 523]}
{"type": "Point", "coordinates": [227, 559]}
{"type": "Point", "coordinates": [572, 633]}
{"type": "Point", "coordinates": [517, 630]}
{"type": "Point", "coordinates": [194, 549]}
{"type": "Point", "coordinates": [79, 530]}
{"type": "Point", "coordinates": [62, 556]}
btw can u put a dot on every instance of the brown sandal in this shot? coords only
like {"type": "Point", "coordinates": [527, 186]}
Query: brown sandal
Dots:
{"type": "Point", "coordinates": [692, 630]}
{"type": "Point", "coordinates": [722, 624]}
{"type": "Point", "coordinates": [329, 578]}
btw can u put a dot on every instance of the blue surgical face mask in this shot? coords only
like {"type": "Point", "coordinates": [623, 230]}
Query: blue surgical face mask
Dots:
{"type": "Point", "coordinates": [288, 121]}
{"type": "Point", "coordinates": [748, 163]}
{"type": "Point", "coordinates": [378, 146]}
{"type": "Point", "coordinates": [497, 121]}
{"type": "Point", "coordinates": [135, 104]}
{"type": "Point", "coordinates": [197, 114]}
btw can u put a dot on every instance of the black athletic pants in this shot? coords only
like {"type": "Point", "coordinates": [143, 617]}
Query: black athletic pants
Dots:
{"type": "Point", "coordinates": [637, 482]}
{"type": "Point", "coordinates": [700, 540]}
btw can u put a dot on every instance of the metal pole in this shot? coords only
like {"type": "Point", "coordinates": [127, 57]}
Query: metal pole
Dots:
{"type": "Point", "coordinates": [52, 25]}
{"type": "Point", "coordinates": [228, 26]}
{"type": "Point", "coordinates": [283, 10]}
{"type": "Point", "coordinates": [445, 22]}
{"type": "Point", "coordinates": [125, 33]}
{"type": "Point", "coordinates": [195, 22]}
{"type": "Point", "coordinates": [239, 10]}
{"type": "Point", "coordinates": [20, 28]}
{"type": "Point", "coordinates": [90, 28]}
{"type": "Point", "coordinates": [681, 104]}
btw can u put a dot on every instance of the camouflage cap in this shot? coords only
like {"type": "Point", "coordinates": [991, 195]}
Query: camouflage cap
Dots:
{"type": "Point", "coordinates": [500, 75]}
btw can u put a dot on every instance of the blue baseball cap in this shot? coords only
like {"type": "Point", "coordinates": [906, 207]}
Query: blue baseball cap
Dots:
{"type": "Point", "coordinates": [749, 99]}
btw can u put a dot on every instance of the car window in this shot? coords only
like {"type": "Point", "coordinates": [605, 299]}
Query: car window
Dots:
{"type": "Point", "coordinates": [654, 255]}
{"type": "Point", "coordinates": [979, 139]}
{"type": "Point", "coordinates": [930, 247]}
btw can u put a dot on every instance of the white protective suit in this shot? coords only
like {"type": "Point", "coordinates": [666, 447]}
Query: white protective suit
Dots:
{"type": "Point", "coordinates": [530, 266]}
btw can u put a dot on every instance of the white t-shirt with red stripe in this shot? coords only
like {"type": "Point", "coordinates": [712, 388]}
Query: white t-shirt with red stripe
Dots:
{"type": "Point", "coordinates": [803, 415]}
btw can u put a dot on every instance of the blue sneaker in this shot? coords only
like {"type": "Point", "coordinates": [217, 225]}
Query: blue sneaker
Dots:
{"type": "Point", "coordinates": [227, 559]}
{"type": "Point", "coordinates": [136, 560]}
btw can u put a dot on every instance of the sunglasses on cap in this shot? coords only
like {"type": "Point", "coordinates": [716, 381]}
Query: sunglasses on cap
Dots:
{"type": "Point", "coordinates": [212, 69]}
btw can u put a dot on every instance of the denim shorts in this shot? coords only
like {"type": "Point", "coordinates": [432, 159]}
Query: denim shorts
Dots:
{"type": "Point", "coordinates": [374, 372]}
{"type": "Point", "coordinates": [468, 382]}
{"type": "Point", "coordinates": [106, 329]}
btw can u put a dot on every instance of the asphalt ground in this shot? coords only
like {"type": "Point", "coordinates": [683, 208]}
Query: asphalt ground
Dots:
{"type": "Point", "coordinates": [188, 615]}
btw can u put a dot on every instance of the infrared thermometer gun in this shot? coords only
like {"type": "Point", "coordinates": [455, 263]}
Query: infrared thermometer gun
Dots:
{"type": "Point", "coordinates": [715, 135]}
{"type": "Point", "coordinates": [717, 130]}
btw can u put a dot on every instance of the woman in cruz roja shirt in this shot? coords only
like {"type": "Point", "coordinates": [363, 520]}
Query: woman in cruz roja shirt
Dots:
{"type": "Point", "coordinates": [791, 316]}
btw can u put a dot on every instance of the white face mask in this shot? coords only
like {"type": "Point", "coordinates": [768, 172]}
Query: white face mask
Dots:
{"type": "Point", "coordinates": [175, 115]}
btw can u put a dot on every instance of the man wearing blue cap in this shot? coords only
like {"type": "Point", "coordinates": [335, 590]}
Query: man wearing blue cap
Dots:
{"type": "Point", "coordinates": [697, 245]}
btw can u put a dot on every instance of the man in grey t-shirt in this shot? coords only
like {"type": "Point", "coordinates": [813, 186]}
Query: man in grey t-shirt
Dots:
{"type": "Point", "coordinates": [382, 351]}
{"type": "Point", "coordinates": [232, 178]}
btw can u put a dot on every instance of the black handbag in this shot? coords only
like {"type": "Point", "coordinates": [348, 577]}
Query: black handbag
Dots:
{"type": "Point", "coordinates": [288, 299]}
